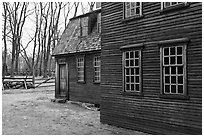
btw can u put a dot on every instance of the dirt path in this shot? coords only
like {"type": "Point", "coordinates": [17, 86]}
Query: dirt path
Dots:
{"type": "Point", "coordinates": [30, 112]}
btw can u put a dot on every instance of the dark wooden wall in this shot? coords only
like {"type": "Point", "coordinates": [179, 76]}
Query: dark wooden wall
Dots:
{"type": "Point", "coordinates": [83, 92]}
{"type": "Point", "coordinates": [151, 113]}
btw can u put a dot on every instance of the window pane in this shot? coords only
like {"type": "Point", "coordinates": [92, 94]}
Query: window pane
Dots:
{"type": "Point", "coordinates": [180, 88]}
{"type": "Point", "coordinates": [131, 54]}
{"type": "Point", "coordinates": [132, 71]}
{"type": "Point", "coordinates": [127, 79]}
{"type": "Point", "coordinates": [132, 87]}
{"type": "Point", "coordinates": [127, 86]}
{"type": "Point", "coordinates": [179, 50]}
{"type": "Point", "coordinates": [137, 79]}
{"type": "Point", "coordinates": [136, 54]}
{"type": "Point", "coordinates": [172, 51]}
{"type": "Point", "coordinates": [173, 70]}
{"type": "Point", "coordinates": [132, 4]}
{"type": "Point", "coordinates": [166, 51]}
{"type": "Point", "coordinates": [172, 60]}
{"type": "Point", "coordinates": [131, 62]}
{"type": "Point", "coordinates": [179, 59]}
{"type": "Point", "coordinates": [127, 5]}
{"type": "Point", "coordinates": [137, 11]}
{"type": "Point", "coordinates": [173, 79]}
{"type": "Point", "coordinates": [127, 63]}
{"type": "Point", "coordinates": [180, 70]}
{"type": "Point", "coordinates": [137, 71]}
{"type": "Point", "coordinates": [127, 55]}
{"type": "Point", "coordinates": [167, 71]}
{"type": "Point", "coordinates": [173, 88]}
{"type": "Point", "coordinates": [127, 71]}
{"type": "Point", "coordinates": [132, 79]}
{"type": "Point", "coordinates": [166, 60]}
{"type": "Point", "coordinates": [136, 62]}
{"type": "Point", "coordinates": [132, 12]}
{"type": "Point", "coordinates": [180, 79]}
{"type": "Point", "coordinates": [167, 88]}
{"type": "Point", "coordinates": [137, 87]}
{"type": "Point", "coordinates": [167, 79]}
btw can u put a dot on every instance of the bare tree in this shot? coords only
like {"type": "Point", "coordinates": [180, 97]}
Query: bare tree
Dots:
{"type": "Point", "coordinates": [76, 5]}
{"type": "Point", "coordinates": [4, 38]}
{"type": "Point", "coordinates": [17, 15]}
{"type": "Point", "coordinates": [91, 5]}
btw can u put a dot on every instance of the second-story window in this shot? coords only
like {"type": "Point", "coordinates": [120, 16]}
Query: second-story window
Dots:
{"type": "Point", "coordinates": [132, 9]}
{"type": "Point", "coordinates": [171, 4]}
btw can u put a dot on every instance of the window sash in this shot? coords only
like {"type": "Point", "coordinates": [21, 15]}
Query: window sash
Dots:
{"type": "Point", "coordinates": [132, 71]}
{"type": "Point", "coordinates": [97, 69]}
{"type": "Point", "coordinates": [80, 69]}
{"type": "Point", "coordinates": [170, 4]}
{"type": "Point", "coordinates": [132, 9]}
{"type": "Point", "coordinates": [173, 73]}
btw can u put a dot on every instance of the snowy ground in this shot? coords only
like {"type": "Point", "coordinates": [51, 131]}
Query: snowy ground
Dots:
{"type": "Point", "coordinates": [31, 112]}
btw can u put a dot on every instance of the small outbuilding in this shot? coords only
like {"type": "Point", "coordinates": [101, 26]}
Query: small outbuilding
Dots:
{"type": "Point", "coordinates": [78, 59]}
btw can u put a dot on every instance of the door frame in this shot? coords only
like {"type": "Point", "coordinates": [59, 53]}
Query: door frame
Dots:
{"type": "Point", "coordinates": [61, 61]}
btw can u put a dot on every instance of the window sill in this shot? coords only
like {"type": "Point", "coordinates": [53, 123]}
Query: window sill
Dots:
{"type": "Point", "coordinates": [180, 97]}
{"type": "Point", "coordinates": [97, 82]}
{"type": "Point", "coordinates": [132, 18]}
{"type": "Point", "coordinates": [133, 94]}
{"type": "Point", "coordinates": [81, 82]}
{"type": "Point", "coordinates": [173, 8]}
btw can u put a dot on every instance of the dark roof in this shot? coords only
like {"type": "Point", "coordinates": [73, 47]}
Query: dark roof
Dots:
{"type": "Point", "coordinates": [72, 42]}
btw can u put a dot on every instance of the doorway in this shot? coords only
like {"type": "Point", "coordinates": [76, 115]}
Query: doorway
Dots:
{"type": "Point", "coordinates": [63, 90]}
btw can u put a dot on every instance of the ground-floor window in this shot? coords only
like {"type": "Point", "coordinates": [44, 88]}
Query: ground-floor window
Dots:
{"type": "Point", "coordinates": [132, 70]}
{"type": "Point", "coordinates": [97, 69]}
{"type": "Point", "coordinates": [80, 69]}
{"type": "Point", "coordinates": [173, 68]}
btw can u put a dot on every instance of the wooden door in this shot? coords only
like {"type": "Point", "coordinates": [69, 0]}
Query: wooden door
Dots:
{"type": "Point", "coordinates": [62, 80]}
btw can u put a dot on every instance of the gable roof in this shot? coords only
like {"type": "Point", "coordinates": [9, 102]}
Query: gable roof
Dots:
{"type": "Point", "coordinates": [72, 42]}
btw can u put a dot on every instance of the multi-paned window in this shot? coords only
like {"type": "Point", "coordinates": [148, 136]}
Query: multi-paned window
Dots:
{"type": "Point", "coordinates": [171, 4]}
{"type": "Point", "coordinates": [97, 69]}
{"type": "Point", "coordinates": [173, 69]}
{"type": "Point", "coordinates": [132, 9]}
{"type": "Point", "coordinates": [132, 71]}
{"type": "Point", "coordinates": [80, 69]}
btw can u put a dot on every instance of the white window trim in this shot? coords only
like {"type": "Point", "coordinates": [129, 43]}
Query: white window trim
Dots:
{"type": "Point", "coordinates": [99, 76]}
{"type": "Point", "coordinates": [125, 14]}
{"type": "Point", "coordinates": [83, 80]}
{"type": "Point", "coordinates": [140, 70]}
{"type": "Point", "coordinates": [163, 5]}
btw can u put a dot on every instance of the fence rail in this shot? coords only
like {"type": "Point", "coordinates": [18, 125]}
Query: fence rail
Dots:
{"type": "Point", "coordinates": [27, 82]}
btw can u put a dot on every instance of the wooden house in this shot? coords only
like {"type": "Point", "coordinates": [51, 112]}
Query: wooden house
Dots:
{"type": "Point", "coordinates": [151, 69]}
{"type": "Point", "coordinates": [78, 59]}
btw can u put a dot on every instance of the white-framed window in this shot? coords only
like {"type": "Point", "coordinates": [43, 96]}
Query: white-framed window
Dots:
{"type": "Point", "coordinates": [97, 69]}
{"type": "Point", "coordinates": [132, 9]}
{"type": "Point", "coordinates": [132, 71]}
{"type": "Point", "coordinates": [80, 69]}
{"type": "Point", "coordinates": [165, 5]}
{"type": "Point", "coordinates": [173, 67]}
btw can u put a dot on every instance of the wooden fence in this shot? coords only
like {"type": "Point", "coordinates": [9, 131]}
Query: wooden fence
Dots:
{"type": "Point", "coordinates": [27, 82]}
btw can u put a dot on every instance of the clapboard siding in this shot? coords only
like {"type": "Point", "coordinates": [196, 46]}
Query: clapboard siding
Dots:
{"type": "Point", "coordinates": [150, 112]}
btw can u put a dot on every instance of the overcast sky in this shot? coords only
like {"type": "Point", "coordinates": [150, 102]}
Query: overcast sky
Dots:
{"type": "Point", "coordinates": [29, 26]}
